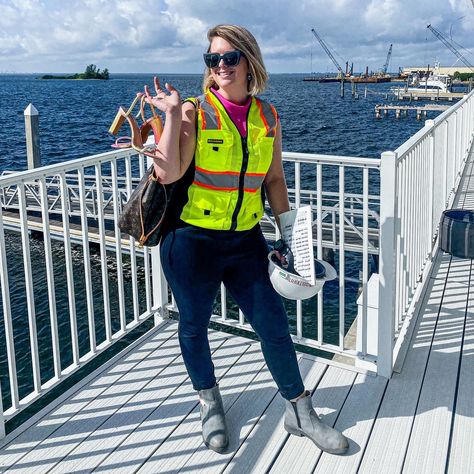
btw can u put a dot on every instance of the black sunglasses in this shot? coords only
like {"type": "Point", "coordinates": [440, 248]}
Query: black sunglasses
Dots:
{"type": "Point", "coordinates": [232, 58]}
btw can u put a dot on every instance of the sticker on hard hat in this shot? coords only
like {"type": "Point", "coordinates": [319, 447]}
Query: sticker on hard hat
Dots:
{"type": "Point", "coordinates": [296, 281]}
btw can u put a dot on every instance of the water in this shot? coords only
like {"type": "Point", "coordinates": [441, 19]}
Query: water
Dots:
{"type": "Point", "coordinates": [74, 119]}
{"type": "Point", "coordinates": [75, 115]}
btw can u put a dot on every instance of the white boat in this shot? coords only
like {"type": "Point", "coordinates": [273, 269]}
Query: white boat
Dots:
{"type": "Point", "coordinates": [433, 83]}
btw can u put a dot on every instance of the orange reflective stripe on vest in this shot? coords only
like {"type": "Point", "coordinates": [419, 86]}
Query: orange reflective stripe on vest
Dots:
{"type": "Point", "coordinates": [269, 117]}
{"type": "Point", "coordinates": [210, 116]}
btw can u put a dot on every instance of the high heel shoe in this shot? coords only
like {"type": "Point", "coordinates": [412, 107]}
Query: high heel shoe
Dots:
{"type": "Point", "coordinates": [122, 115]}
{"type": "Point", "coordinates": [153, 124]}
{"type": "Point", "coordinates": [139, 134]}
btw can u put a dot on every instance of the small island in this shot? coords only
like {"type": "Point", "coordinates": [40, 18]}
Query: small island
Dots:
{"type": "Point", "coordinates": [91, 72]}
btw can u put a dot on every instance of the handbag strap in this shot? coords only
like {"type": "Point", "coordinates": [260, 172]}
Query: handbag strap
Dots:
{"type": "Point", "coordinates": [144, 237]}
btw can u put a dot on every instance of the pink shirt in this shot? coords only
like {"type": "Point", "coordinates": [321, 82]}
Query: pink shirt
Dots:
{"type": "Point", "coordinates": [237, 113]}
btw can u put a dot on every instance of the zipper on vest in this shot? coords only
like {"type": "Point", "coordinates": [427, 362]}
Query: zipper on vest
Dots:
{"type": "Point", "coordinates": [243, 170]}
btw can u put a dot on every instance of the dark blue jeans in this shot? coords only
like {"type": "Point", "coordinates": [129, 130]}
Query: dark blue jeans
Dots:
{"type": "Point", "coordinates": [195, 262]}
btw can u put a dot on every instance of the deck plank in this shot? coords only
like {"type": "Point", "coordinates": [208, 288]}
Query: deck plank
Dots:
{"type": "Point", "coordinates": [465, 193]}
{"type": "Point", "coordinates": [79, 427]}
{"type": "Point", "coordinates": [429, 440]}
{"type": "Point", "coordinates": [267, 437]}
{"type": "Point", "coordinates": [299, 454]}
{"type": "Point", "coordinates": [461, 456]}
{"type": "Point", "coordinates": [103, 440]}
{"type": "Point", "coordinates": [18, 447]}
{"type": "Point", "coordinates": [160, 424]}
{"type": "Point", "coordinates": [243, 381]}
{"type": "Point", "coordinates": [355, 421]}
{"type": "Point", "coordinates": [243, 419]}
{"type": "Point", "coordinates": [385, 450]}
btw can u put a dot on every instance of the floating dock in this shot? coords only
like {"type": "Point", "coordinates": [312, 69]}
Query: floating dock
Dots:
{"type": "Point", "coordinates": [370, 79]}
{"type": "Point", "coordinates": [402, 94]}
{"type": "Point", "coordinates": [421, 111]}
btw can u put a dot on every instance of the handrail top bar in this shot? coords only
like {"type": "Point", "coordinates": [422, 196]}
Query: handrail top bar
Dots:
{"type": "Point", "coordinates": [442, 117]}
{"type": "Point", "coordinates": [87, 161]}
{"type": "Point", "coordinates": [407, 146]}
{"type": "Point", "coordinates": [332, 159]}
{"type": "Point", "coordinates": [58, 168]}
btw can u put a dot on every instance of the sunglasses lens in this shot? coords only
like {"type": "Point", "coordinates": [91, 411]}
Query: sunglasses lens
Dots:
{"type": "Point", "coordinates": [211, 59]}
{"type": "Point", "coordinates": [232, 58]}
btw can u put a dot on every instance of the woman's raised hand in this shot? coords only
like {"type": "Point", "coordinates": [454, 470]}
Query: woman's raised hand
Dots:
{"type": "Point", "coordinates": [167, 103]}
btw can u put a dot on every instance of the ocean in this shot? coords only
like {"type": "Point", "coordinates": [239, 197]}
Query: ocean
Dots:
{"type": "Point", "coordinates": [74, 120]}
{"type": "Point", "coordinates": [75, 115]}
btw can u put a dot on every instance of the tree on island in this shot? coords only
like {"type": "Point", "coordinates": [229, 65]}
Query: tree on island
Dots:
{"type": "Point", "coordinates": [91, 72]}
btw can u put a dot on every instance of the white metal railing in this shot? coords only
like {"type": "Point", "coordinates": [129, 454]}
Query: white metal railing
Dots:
{"type": "Point", "coordinates": [418, 181]}
{"type": "Point", "coordinates": [103, 299]}
{"type": "Point", "coordinates": [346, 221]}
{"type": "Point", "coordinates": [87, 184]}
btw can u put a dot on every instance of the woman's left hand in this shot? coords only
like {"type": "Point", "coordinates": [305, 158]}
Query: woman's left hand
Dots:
{"type": "Point", "coordinates": [168, 103]}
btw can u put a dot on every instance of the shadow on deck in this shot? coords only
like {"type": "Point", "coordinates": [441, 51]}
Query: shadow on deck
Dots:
{"type": "Point", "coordinates": [140, 413]}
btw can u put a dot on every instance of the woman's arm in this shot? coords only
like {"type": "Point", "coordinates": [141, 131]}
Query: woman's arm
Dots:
{"type": "Point", "coordinates": [175, 149]}
{"type": "Point", "coordinates": [275, 183]}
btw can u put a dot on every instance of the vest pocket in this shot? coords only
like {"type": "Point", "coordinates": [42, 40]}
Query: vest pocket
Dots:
{"type": "Point", "coordinates": [252, 210]}
{"type": "Point", "coordinates": [215, 150]}
{"type": "Point", "coordinates": [263, 149]}
{"type": "Point", "coordinates": [208, 208]}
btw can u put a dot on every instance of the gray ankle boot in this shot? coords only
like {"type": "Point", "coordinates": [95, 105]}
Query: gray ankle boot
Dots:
{"type": "Point", "coordinates": [301, 420]}
{"type": "Point", "coordinates": [214, 431]}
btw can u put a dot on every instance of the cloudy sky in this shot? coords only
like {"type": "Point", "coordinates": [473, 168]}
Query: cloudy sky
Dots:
{"type": "Point", "coordinates": [170, 35]}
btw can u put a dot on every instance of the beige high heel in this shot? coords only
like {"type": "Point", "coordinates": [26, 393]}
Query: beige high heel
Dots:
{"type": "Point", "coordinates": [139, 134]}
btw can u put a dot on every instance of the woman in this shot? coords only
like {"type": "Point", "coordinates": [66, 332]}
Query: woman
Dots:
{"type": "Point", "coordinates": [226, 145]}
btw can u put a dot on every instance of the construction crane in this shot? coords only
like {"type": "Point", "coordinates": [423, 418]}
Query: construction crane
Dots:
{"type": "Point", "coordinates": [450, 46]}
{"type": "Point", "coordinates": [387, 61]}
{"type": "Point", "coordinates": [328, 52]}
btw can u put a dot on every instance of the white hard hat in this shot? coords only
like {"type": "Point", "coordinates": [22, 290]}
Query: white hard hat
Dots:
{"type": "Point", "coordinates": [295, 287]}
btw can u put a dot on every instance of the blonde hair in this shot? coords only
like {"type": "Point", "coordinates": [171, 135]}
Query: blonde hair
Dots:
{"type": "Point", "coordinates": [241, 39]}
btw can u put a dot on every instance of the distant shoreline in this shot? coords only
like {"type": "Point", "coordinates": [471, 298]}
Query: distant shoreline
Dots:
{"type": "Point", "coordinates": [72, 78]}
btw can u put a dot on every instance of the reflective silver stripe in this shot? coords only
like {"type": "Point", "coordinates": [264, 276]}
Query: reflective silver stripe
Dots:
{"type": "Point", "coordinates": [253, 182]}
{"type": "Point", "coordinates": [212, 120]}
{"type": "Point", "coordinates": [228, 181]}
{"type": "Point", "coordinates": [270, 118]}
{"type": "Point", "coordinates": [220, 180]}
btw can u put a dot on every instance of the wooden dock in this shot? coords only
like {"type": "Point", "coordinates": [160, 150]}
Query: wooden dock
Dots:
{"type": "Point", "coordinates": [402, 94]}
{"type": "Point", "coordinates": [421, 110]}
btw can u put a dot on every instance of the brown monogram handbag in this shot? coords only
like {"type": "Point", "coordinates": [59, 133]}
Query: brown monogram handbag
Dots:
{"type": "Point", "coordinates": [143, 215]}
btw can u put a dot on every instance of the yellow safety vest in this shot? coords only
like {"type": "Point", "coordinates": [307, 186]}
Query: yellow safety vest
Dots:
{"type": "Point", "coordinates": [226, 193]}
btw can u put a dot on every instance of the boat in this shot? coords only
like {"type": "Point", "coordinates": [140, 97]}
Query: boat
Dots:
{"type": "Point", "coordinates": [433, 82]}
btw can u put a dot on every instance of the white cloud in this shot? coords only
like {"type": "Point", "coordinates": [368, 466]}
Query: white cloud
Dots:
{"type": "Point", "coordinates": [169, 35]}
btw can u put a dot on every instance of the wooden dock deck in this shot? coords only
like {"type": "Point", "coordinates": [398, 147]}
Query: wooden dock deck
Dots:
{"type": "Point", "coordinates": [139, 413]}
{"type": "Point", "coordinates": [402, 94]}
{"type": "Point", "coordinates": [421, 110]}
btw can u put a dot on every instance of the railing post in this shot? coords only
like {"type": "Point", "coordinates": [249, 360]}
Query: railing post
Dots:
{"type": "Point", "coordinates": [32, 137]}
{"type": "Point", "coordinates": [387, 263]}
{"type": "Point", "coordinates": [454, 134]}
{"type": "Point", "coordinates": [160, 287]}
{"type": "Point", "coordinates": [430, 124]}
{"type": "Point", "coordinates": [2, 417]}
{"type": "Point", "coordinates": [158, 280]}
{"type": "Point", "coordinates": [446, 161]}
